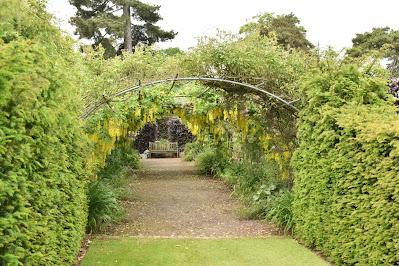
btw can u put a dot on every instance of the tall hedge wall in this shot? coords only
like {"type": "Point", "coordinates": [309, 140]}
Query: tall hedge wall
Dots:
{"type": "Point", "coordinates": [347, 168]}
{"type": "Point", "coordinates": [42, 189]}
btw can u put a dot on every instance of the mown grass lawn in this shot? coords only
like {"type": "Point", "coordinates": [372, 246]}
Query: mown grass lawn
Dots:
{"type": "Point", "coordinates": [277, 251]}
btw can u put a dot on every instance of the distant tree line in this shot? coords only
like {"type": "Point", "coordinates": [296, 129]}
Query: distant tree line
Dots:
{"type": "Point", "coordinates": [121, 25]}
{"type": "Point", "coordinates": [118, 24]}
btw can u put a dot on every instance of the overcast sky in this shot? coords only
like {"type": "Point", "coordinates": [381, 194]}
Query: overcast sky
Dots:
{"type": "Point", "coordinates": [328, 22]}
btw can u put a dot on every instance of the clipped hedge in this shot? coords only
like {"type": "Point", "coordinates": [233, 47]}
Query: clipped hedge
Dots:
{"type": "Point", "coordinates": [346, 189]}
{"type": "Point", "coordinates": [43, 209]}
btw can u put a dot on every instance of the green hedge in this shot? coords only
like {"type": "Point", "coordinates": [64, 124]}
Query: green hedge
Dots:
{"type": "Point", "coordinates": [43, 209]}
{"type": "Point", "coordinates": [346, 188]}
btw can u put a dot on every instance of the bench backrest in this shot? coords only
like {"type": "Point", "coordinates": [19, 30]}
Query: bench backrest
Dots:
{"type": "Point", "coordinates": [163, 146]}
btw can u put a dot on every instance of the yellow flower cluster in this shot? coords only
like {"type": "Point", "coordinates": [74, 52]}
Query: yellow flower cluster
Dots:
{"type": "Point", "coordinates": [216, 122]}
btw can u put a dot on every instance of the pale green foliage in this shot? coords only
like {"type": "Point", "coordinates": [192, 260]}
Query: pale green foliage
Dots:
{"type": "Point", "coordinates": [106, 76]}
{"type": "Point", "coordinates": [251, 59]}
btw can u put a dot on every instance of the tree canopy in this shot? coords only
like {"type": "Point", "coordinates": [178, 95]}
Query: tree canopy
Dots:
{"type": "Point", "coordinates": [384, 41]}
{"type": "Point", "coordinates": [118, 24]}
{"type": "Point", "coordinates": [285, 28]}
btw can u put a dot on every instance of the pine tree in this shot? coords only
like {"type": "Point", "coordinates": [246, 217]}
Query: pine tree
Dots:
{"type": "Point", "coordinates": [118, 24]}
{"type": "Point", "coordinates": [383, 40]}
{"type": "Point", "coordinates": [285, 28]}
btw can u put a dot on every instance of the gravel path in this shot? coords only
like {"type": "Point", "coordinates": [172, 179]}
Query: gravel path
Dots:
{"type": "Point", "coordinates": [172, 200]}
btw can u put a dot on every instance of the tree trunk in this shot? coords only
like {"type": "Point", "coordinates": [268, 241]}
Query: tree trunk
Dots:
{"type": "Point", "coordinates": [128, 29]}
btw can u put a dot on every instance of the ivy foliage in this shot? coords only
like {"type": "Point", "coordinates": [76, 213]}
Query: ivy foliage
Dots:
{"type": "Point", "coordinates": [346, 188]}
{"type": "Point", "coordinates": [42, 174]}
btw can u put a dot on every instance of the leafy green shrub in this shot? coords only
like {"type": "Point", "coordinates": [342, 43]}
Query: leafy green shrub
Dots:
{"type": "Point", "coordinates": [251, 178]}
{"type": "Point", "coordinates": [43, 205]}
{"type": "Point", "coordinates": [233, 172]}
{"type": "Point", "coordinates": [211, 162]}
{"type": "Point", "coordinates": [105, 194]}
{"type": "Point", "coordinates": [346, 189]}
{"type": "Point", "coordinates": [191, 150]}
{"type": "Point", "coordinates": [280, 210]}
{"type": "Point", "coordinates": [104, 207]}
{"type": "Point", "coordinates": [130, 158]}
{"type": "Point", "coordinates": [266, 196]}
{"type": "Point", "coordinates": [120, 157]}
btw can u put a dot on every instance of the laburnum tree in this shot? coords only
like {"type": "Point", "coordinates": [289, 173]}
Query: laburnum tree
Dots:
{"type": "Point", "coordinates": [118, 24]}
{"type": "Point", "coordinates": [285, 28]}
{"type": "Point", "coordinates": [383, 40]}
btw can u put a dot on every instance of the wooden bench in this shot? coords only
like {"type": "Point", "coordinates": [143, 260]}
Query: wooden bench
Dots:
{"type": "Point", "coordinates": [164, 147]}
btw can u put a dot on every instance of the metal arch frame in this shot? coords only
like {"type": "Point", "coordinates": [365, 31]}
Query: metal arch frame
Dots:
{"type": "Point", "coordinates": [120, 93]}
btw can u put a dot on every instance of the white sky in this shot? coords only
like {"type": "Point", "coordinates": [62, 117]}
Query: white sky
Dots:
{"type": "Point", "coordinates": [328, 22]}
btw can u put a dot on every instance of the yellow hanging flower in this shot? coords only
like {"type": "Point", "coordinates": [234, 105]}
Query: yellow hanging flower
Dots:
{"type": "Point", "coordinates": [137, 112]}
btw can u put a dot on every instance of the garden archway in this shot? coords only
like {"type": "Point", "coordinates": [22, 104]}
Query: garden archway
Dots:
{"type": "Point", "coordinates": [108, 99]}
{"type": "Point", "coordinates": [220, 121]}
